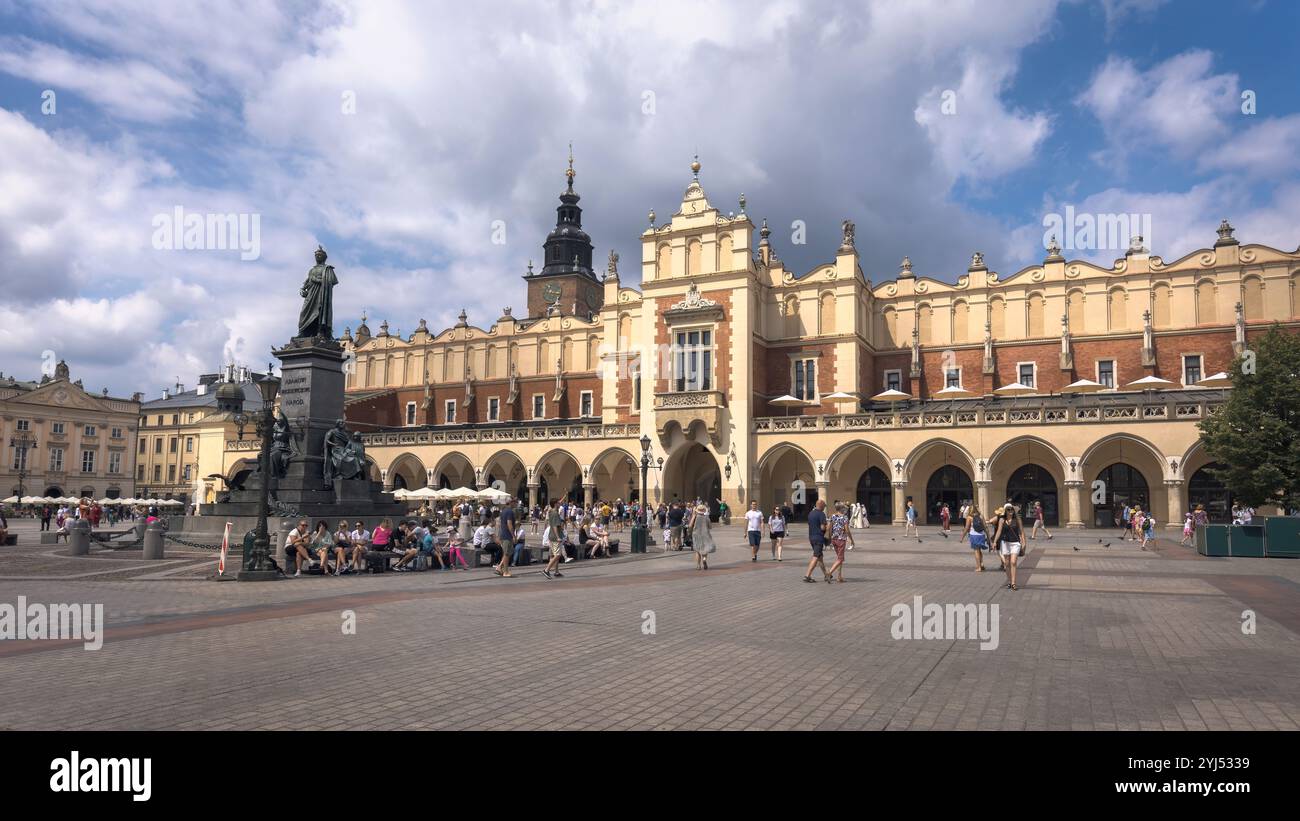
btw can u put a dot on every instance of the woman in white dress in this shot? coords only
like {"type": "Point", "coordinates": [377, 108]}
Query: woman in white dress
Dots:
{"type": "Point", "coordinates": [701, 537]}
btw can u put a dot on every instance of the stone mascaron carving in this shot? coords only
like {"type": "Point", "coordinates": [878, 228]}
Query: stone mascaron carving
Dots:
{"type": "Point", "coordinates": [693, 300]}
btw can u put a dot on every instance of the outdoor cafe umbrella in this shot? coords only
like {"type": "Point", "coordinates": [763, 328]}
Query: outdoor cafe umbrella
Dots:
{"type": "Point", "coordinates": [1150, 383]}
{"type": "Point", "coordinates": [1083, 386]}
{"type": "Point", "coordinates": [891, 395]}
{"type": "Point", "coordinates": [401, 493]}
{"type": "Point", "coordinates": [840, 398]}
{"type": "Point", "coordinates": [1218, 380]}
{"type": "Point", "coordinates": [463, 493]}
{"type": "Point", "coordinates": [491, 494]}
{"type": "Point", "coordinates": [1014, 389]}
{"type": "Point", "coordinates": [32, 500]}
{"type": "Point", "coordinates": [12, 500]}
{"type": "Point", "coordinates": [787, 401]}
{"type": "Point", "coordinates": [953, 392]}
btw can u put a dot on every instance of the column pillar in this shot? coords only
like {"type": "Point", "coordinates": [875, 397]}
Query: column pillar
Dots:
{"type": "Point", "coordinates": [1174, 518]}
{"type": "Point", "coordinates": [532, 495]}
{"type": "Point", "coordinates": [900, 503]}
{"type": "Point", "coordinates": [982, 496]}
{"type": "Point", "coordinates": [824, 493]}
{"type": "Point", "coordinates": [1074, 504]}
{"type": "Point", "coordinates": [588, 494]}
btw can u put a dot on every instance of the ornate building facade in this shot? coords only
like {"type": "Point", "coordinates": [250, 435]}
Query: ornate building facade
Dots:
{"type": "Point", "coordinates": [754, 382]}
{"type": "Point", "coordinates": [60, 440]}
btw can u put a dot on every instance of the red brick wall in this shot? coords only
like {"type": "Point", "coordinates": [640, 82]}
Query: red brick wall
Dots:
{"type": "Point", "coordinates": [721, 343]}
{"type": "Point", "coordinates": [775, 369]}
{"type": "Point", "coordinates": [389, 410]}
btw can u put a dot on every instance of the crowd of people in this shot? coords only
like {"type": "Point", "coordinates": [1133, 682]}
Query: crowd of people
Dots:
{"type": "Point", "coordinates": [58, 518]}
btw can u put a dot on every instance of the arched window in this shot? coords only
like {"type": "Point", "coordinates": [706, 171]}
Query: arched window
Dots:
{"type": "Point", "coordinates": [1074, 309]}
{"type": "Point", "coordinates": [793, 322]}
{"type": "Point", "coordinates": [889, 328]}
{"type": "Point", "coordinates": [724, 252]}
{"type": "Point", "coordinates": [1253, 297]}
{"type": "Point", "coordinates": [693, 258]}
{"type": "Point", "coordinates": [664, 268]}
{"type": "Point", "coordinates": [1160, 306]}
{"type": "Point", "coordinates": [624, 332]}
{"type": "Point", "coordinates": [827, 318]}
{"type": "Point", "coordinates": [960, 321]}
{"type": "Point", "coordinates": [998, 317]}
{"type": "Point", "coordinates": [1034, 315]}
{"type": "Point", "coordinates": [925, 323]}
{"type": "Point", "coordinates": [1117, 303]}
{"type": "Point", "coordinates": [1206, 313]}
{"type": "Point", "coordinates": [545, 362]}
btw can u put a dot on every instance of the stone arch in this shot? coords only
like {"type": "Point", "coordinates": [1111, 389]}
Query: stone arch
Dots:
{"type": "Point", "coordinates": [1252, 297]}
{"type": "Point", "coordinates": [1034, 309]}
{"type": "Point", "coordinates": [793, 322]}
{"type": "Point", "coordinates": [724, 253]}
{"type": "Point", "coordinates": [889, 327]}
{"type": "Point", "coordinates": [407, 471]}
{"type": "Point", "coordinates": [694, 257]}
{"type": "Point", "coordinates": [453, 470]}
{"type": "Point", "coordinates": [1160, 305]}
{"type": "Point", "coordinates": [1206, 307]}
{"type": "Point", "coordinates": [1007, 470]}
{"type": "Point", "coordinates": [955, 453]}
{"type": "Point", "coordinates": [787, 476]}
{"type": "Point", "coordinates": [1117, 309]}
{"type": "Point", "coordinates": [615, 474]}
{"type": "Point", "coordinates": [960, 321]}
{"type": "Point", "coordinates": [559, 475]}
{"type": "Point", "coordinates": [1136, 454]}
{"type": "Point", "coordinates": [624, 331]}
{"type": "Point", "coordinates": [846, 466]}
{"type": "Point", "coordinates": [826, 313]}
{"type": "Point", "coordinates": [925, 322]}
{"type": "Point", "coordinates": [998, 317]}
{"type": "Point", "coordinates": [1074, 302]}
{"type": "Point", "coordinates": [505, 467]}
{"type": "Point", "coordinates": [664, 261]}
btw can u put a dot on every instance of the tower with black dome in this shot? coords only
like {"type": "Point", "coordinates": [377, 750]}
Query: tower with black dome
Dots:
{"type": "Point", "coordinates": [566, 285]}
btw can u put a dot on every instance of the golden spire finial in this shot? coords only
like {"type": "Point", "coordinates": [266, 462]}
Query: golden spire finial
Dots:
{"type": "Point", "coordinates": [695, 166]}
{"type": "Point", "coordinates": [570, 173]}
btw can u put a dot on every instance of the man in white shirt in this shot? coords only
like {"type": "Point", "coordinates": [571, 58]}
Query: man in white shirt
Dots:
{"type": "Point", "coordinates": [360, 538]}
{"type": "Point", "coordinates": [295, 547]}
{"type": "Point", "coordinates": [754, 527]}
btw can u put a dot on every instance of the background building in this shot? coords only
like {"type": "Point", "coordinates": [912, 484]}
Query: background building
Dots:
{"type": "Point", "coordinates": [62, 441]}
{"type": "Point", "coordinates": [554, 403]}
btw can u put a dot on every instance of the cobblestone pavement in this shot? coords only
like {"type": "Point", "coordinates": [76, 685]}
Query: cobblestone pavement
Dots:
{"type": "Point", "coordinates": [1097, 638]}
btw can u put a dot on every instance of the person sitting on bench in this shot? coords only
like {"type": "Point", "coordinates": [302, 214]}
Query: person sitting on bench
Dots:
{"type": "Point", "coordinates": [483, 540]}
{"type": "Point", "coordinates": [295, 547]}
{"type": "Point", "coordinates": [601, 534]}
{"type": "Point", "coordinates": [322, 544]}
{"type": "Point", "coordinates": [360, 538]}
{"type": "Point", "coordinates": [406, 543]}
{"type": "Point", "coordinates": [454, 555]}
{"type": "Point", "coordinates": [429, 547]}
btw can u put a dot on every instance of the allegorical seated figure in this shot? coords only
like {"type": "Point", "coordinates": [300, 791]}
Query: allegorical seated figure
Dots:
{"type": "Point", "coordinates": [343, 458]}
{"type": "Point", "coordinates": [281, 447]}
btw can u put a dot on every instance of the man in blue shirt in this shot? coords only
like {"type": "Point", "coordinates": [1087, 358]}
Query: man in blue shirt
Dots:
{"type": "Point", "coordinates": [817, 525]}
{"type": "Point", "coordinates": [506, 538]}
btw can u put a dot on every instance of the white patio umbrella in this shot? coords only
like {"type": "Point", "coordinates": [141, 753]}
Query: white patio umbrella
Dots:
{"type": "Point", "coordinates": [32, 500]}
{"type": "Point", "coordinates": [443, 494]}
{"type": "Point", "coordinates": [953, 392]}
{"type": "Point", "coordinates": [1218, 380]}
{"type": "Point", "coordinates": [401, 493]}
{"type": "Point", "coordinates": [105, 501]}
{"type": "Point", "coordinates": [841, 398]}
{"type": "Point", "coordinates": [464, 493]}
{"type": "Point", "coordinates": [1150, 383]}
{"type": "Point", "coordinates": [1014, 389]}
{"type": "Point", "coordinates": [1083, 386]}
{"type": "Point", "coordinates": [172, 503]}
{"type": "Point", "coordinates": [787, 401]}
{"type": "Point", "coordinates": [891, 395]}
{"type": "Point", "coordinates": [491, 494]}
{"type": "Point", "coordinates": [422, 493]}
{"type": "Point", "coordinates": [12, 500]}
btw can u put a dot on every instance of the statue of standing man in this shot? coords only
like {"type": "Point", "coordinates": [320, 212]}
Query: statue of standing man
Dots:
{"type": "Point", "coordinates": [317, 316]}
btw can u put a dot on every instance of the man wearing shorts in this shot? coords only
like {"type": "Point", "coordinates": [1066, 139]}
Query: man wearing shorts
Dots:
{"type": "Point", "coordinates": [817, 538]}
{"type": "Point", "coordinates": [676, 515]}
{"type": "Point", "coordinates": [754, 527]}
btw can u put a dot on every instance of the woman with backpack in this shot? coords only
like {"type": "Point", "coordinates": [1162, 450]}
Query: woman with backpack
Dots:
{"type": "Point", "coordinates": [1009, 539]}
{"type": "Point", "coordinates": [976, 532]}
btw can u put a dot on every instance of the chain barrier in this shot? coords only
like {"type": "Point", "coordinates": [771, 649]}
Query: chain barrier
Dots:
{"type": "Point", "coordinates": [187, 543]}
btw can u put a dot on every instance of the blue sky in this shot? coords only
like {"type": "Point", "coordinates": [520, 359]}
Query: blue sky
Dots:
{"type": "Point", "coordinates": [816, 111]}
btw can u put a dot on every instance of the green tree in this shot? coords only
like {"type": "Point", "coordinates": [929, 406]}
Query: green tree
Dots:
{"type": "Point", "coordinates": [1255, 434]}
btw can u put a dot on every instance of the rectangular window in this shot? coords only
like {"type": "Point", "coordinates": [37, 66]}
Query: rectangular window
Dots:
{"type": "Point", "coordinates": [171, 474]}
{"type": "Point", "coordinates": [410, 413]}
{"type": "Point", "coordinates": [1191, 368]}
{"type": "Point", "coordinates": [58, 427]}
{"type": "Point", "coordinates": [893, 380]}
{"type": "Point", "coordinates": [1106, 372]}
{"type": "Point", "coordinates": [160, 420]}
{"type": "Point", "coordinates": [24, 424]}
{"type": "Point", "coordinates": [636, 387]}
{"type": "Point", "coordinates": [171, 448]}
{"type": "Point", "coordinates": [20, 458]}
{"type": "Point", "coordinates": [157, 473]}
{"type": "Point", "coordinates": [115, 462]}
{"type": "Point", "coordinates": [189, 444]}
{"type": "Point", "coordinates": [803, 380]}
{"type": "Point", "coordinates": [693, 360]}
{"type": "Point", "coordinates": [90, 430]}
{"type": "Point", "coordinates": [157, 445]}
{"type": "Point", "coordinates": [87, 461]}
{"type": "Point", "coordinates": [539, 406]}
{"type": "Point", "coordinates": [494, 409]}
{"type": "Point", "coordinates": [585, 404]}
{"type": "Point", "coordinates": [449, 411]}
{"type": "Point", "coordinates": [952, 378]}
{"type": "Point", "coordinates": [56, 460]}
{"type": "Point", "coordinates": [176, 418]}
{"type": "Point", "coordinates": [117, 433]}
{"type": "Point", "coordinates": [186, 473]}
{"type": "Point", "coordinates": [1025, 374]}
{"type": "Point", "coordinates": [139, 473]}
{"type": "Point", "coordinates": [143, 444]}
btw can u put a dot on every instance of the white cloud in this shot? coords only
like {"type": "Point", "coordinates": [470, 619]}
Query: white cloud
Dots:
{"type": "Point", "coordinates": [1269, 147]}
{"type": "Point", "coordinates": [1177, 104]}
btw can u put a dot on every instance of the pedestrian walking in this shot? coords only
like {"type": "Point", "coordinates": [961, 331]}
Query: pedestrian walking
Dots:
{"type": "Point", "coordinates": [506, 538]}
{"type": "Point", "coordinates": [1038, 521]}
{"type": "Point", "coordinates": [841, 537]}
{"type": "Point", "coordinates": [754, 529]}
{"type": "Point", "coordinates": [1189, 528]}
{"type": "Point", "coordinates": [909, 528]}
{"type": "Point", "coordinates": [1009, 540]}
{"type": "Point", "coordinates": [553, 538]}
{"type": "Point", "coordinates": [976, 532]}
{"type": "Point", "coordinates": [776, 531]}
{"type": "Point", "coordinates": [701, 536]}
{"type": "Point", "coordinates": [817, 526]}
{"type": "Point", "coordinates": [945, 518]}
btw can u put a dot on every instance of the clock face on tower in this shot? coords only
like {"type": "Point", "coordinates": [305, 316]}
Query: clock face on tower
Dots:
{"type": "Point", "coordinates": [551, 293]}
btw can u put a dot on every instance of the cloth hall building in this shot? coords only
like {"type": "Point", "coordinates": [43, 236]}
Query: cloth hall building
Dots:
{"type": "Point", "coordinates": [556, 401]}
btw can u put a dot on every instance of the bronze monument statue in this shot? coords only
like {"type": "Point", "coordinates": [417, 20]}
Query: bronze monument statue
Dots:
{"type": "Point", "coordinates": [344, 455]}
{"type": "Point", "coordinates": [317, 316]}
{"type": "Point", "coordinates": [281, 447]}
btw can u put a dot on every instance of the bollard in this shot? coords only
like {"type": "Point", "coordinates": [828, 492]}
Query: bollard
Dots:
{"type": "Point", "coordinates": [139, 530]}
{"type": "Point", "coordinates": [153, 542]}
{"type": "Point", "coordinates": [79, 537]}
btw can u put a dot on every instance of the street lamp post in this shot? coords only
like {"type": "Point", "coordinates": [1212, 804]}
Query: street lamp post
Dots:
{"type": "Point", "coordinates": [639, 528]}
{"type": "Point", "coordinates": [21, 442]}
{"type": "Point", "coordinates": [259, 567]}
